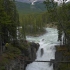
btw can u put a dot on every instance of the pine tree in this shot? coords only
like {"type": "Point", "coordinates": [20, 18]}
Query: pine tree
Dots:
{"type": "Point", "coordinates": [9, 20]}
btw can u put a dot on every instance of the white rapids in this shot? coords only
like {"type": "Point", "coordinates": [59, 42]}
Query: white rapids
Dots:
{"type": "Point", "coordinates": [47, 42]}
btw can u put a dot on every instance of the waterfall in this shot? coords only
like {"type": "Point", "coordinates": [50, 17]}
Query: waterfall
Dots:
{"type": "Point", "coordinates": [47, 43]}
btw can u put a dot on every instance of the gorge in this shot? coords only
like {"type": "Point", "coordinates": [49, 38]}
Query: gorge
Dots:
{"type": "Point", "coordinates": [47, 43]}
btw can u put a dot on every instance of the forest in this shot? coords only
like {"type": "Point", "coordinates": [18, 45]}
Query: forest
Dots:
{"type": "Point", "coordinates": [14, 29]}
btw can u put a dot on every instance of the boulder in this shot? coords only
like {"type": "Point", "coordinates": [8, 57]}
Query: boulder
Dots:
{"type": "Point", "coordinates": [42, 51]}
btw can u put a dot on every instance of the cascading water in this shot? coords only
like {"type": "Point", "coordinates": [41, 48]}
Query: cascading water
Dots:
{"type": "Point", "coordinates": [47, 43]}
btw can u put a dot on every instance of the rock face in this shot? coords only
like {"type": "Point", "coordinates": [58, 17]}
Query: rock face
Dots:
{"type": "Point", "coordinates": [58, 57]}
{"type": "Point", "coordinates": [33, 49]}
{"type": "Point", "coordinates": [42, 51]}
{"type": "Point", "coordinates": [61, 54]}
{"type": "Point", "coordinates": [29, 54]}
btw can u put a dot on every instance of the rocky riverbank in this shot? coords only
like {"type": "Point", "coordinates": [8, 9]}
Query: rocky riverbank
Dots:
{"type": "Point", "coordinates": [16, 53]}
{"type": "Point", "coordinates": [62, 54]}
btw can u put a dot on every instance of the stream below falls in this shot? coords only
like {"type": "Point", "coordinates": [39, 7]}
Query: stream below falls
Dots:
{"type": "Point", "coordinates": [47, 43]}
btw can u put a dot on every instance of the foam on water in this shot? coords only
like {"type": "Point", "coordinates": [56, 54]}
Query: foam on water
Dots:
{"type": "Point", "coordinates": [47, 42]}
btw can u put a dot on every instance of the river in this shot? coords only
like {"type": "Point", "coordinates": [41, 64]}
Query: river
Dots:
{"type": "Point", "coordinates": [47, 42]}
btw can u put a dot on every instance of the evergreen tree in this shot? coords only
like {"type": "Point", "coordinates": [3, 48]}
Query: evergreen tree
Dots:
{"type": "Point", "coordinates": [9, 21]}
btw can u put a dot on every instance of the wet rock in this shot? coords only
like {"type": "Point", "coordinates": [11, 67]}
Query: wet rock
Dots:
{"type": "Point", "coordinates": [33, 49]}
{"type": "Point", "coordinates": [51, 62]}
{"type": "Point", "coordinates": [42, 51]}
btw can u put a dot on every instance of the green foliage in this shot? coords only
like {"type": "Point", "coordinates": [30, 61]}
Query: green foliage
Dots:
{"type": "Point", "coordinates": [50, 5]}
{"type": "Point", "coordinates": [11, 53]}
{"type": "Point", "coordinates": [11, 49]}
{"type": "Point", "coordinates": [64, 21]}
{"type": "Point", "coordinates": [32, 24]}
{"type": "Point", "coordinates": [8, 20]}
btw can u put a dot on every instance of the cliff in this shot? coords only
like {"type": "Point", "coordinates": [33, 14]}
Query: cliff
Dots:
{"type": "Point", "coordinates": [16, 53]}
{"type": "Point", "coordinates": [62, 54]}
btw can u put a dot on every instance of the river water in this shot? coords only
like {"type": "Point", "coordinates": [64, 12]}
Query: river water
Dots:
{"type": "Point", "coordinates": [47, 42]}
